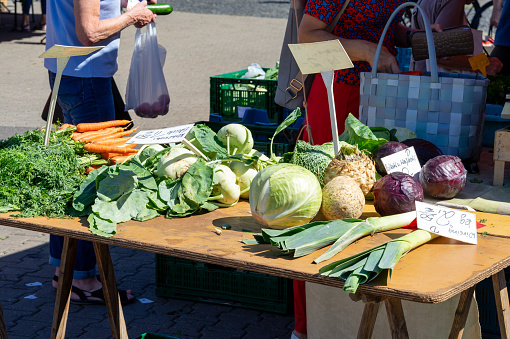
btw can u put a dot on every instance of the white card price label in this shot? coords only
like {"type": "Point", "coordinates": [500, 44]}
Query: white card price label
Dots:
{"type": "Point", "coordinates": [161, 136]}
{"type": "Point", "coordinates": [405, 161]}
{"type": "Point", "coordinates": [447, 222]}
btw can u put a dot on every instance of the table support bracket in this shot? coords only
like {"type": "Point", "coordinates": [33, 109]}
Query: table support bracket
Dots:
{"type": "Point", "coordinates": [65, 282]}
{"type": "Point", "coordinates": [502, 303]}
{"type": "Point", "coordinates": [461, 314]}
{"type": "Point", "coordinates": [396, 318]}
{"type": "Point", "coordinates": [111, 294]}
{"type": "Point", "coordinates": [368, 319]}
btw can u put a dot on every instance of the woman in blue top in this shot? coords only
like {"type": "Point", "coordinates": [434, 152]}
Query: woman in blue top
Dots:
{"type": "Point", "coordinates": [85, 95]}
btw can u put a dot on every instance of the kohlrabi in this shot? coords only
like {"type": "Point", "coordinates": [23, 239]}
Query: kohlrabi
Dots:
{"type": "Point", "coordinates": [175, 163]}
{"type": "Point", "coordinates": [245, 174]}
{"type": "Point", "coordinates": [148, 150]}
{"type": "Point", "coordinates": [237, 138]}
{"type": "Point", "coordinates": [226, 191]}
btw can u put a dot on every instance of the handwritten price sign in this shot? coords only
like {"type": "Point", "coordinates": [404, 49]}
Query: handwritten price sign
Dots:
{"type": "Point", "coordinates": [161, 136]}
{"type": "Point", "coordinates": [447, 222]}
{"type": "Point", "coordinates": [405, 161]}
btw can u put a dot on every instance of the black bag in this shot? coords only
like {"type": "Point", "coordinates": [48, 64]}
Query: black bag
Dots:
{"type": "Point", "coordinates": [293, 87]}
{"type": "Point", "coordinates": [120, 112]}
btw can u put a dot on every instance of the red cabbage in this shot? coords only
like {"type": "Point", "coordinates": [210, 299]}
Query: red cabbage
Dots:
{"type": "Point", "coordinates": [384, 150]}
{"type": "Point", "coordinates": [396, 193]}
{"type": "Point", "coordinates": [443, 176]}
{"type": "Point", "coordinates": [425, 150]}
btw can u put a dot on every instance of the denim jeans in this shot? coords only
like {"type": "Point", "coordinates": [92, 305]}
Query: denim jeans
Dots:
{"type": "Point", "coordinates": [85, 99]}
{"type": "Point", "coordinates": [82, 100]}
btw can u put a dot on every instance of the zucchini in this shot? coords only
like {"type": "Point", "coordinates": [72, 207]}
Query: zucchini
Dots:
{"type": "Point", "coordinates": [161, 9]}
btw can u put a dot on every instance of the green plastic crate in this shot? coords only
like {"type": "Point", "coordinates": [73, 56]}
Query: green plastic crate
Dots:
{"type": "Point", "coordinates": [284, 143]}
{"type": "Point", "coordinates": [228, 91]}
{"type": "Point", "coordinates": [186, 279]}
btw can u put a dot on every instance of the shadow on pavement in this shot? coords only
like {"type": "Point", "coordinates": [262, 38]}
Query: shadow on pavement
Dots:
{"type": "Point", "coordinates": [28, 298]}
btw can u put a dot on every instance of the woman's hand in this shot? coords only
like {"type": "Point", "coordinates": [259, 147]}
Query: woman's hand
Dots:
{"type": "Point", "coordinates": [436, 27]}
{"type": "Point", "coordinates": [387, 62]}
{"type": "Point", "coordinates": [142, 15]}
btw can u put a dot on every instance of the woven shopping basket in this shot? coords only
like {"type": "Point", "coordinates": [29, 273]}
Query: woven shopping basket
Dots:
{"type": "Point", "coordinates": [446, 109]}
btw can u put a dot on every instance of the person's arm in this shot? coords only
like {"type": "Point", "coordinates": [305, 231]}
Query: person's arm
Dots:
{"type": "Point", "coordinates": [451, 14]}
{"type": "Point", "coordinates": [497, 8]}
{"type": "Point", "coordinates": [91, 30]}
{"type": "Point", "coordinates": [312, 29]}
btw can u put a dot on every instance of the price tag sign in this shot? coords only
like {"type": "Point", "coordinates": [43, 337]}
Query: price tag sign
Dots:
{"type": "Point", "coordinates": [479, 62]}
{"type": "Point", "coordinates": [317, 57]}
{"type": "Point", "coordinates": [161, 136]}
{"type": "Point", "coordinates": [447, 222]}
{"type": "Point", "coordinates": [405, 161]}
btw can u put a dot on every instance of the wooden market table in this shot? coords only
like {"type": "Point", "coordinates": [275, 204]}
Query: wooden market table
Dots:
{"type": "Point", "coordinates": [432, 273]}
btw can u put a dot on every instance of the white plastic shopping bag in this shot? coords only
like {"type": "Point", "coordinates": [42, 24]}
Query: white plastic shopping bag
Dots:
{"type": "Point", "coordinates": [146, 91]}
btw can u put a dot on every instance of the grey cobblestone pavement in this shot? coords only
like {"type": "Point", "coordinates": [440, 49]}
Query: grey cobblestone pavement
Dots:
{"type": "Point", "coordinates": [28, 298]}
{"type": "Point", "coordinates": [202, 38]}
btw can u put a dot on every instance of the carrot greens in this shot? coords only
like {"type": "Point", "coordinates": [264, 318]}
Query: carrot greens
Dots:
{"type": "Point", "coordinates": [39, 180]}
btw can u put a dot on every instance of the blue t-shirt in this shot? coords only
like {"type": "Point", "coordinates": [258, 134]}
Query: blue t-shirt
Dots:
{"type": "Point", "coordinates": [502, 37]}
{"type": "Point", "coordinates": [62, 31]}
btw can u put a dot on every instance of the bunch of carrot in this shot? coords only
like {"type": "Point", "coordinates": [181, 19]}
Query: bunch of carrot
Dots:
{"type": "Point", "coordinates": [106, 138]}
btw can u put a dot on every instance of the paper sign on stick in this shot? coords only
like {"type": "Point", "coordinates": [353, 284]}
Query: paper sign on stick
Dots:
{"type": "Point", "coordinates": [59, 51]}
{"type": "Point", "coordinates": [161, 136]}
{"type": "Point", "coordinates": [325, 58]}
{"type": "Point", "coordinates": [405, 161]}
{"type": "Point", "coordinates": [447, 222]}
{"type": "Point", "coordinates": [317, 57]}
{"type": "Point", "coordinates": [62, 53]}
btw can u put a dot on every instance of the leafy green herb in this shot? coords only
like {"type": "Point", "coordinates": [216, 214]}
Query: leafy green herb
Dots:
{"type": "Point", "coordinates": [39, 180]}
{"type": "Point", "coordinates": [476, 181]}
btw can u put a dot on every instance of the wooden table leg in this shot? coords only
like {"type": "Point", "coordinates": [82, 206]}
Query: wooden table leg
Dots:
{"type": "Point", "coordinates": [3, 331]}
{"type": "Point", "coordinates": [396, 318]}
{"type": "Point", "coordinates": [502, 304]}
{"type": "Point", "coordinates": [65, 282]}
{"type": "Point", "coordinates": [366, 327]}
{"type": "Point", "coordinates": [111, 295]}
{"type": "Point", "coordinates": [461, 314]}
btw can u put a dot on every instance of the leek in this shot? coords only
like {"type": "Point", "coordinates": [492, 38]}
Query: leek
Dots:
{"type": "Point", "coordinates": [365, 266]}
{"type": "Point", "coordinates": [369, 226]}
{"type": "Point", "coordinates": [306, 239]}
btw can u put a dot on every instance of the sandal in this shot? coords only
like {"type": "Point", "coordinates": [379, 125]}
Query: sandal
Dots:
{"type": "Point", "coordinates": [24, 28]}
{"type": "Point", "coordinates": [85, 295]}
{"type": "Point", "coordinates": [84, 299]}
{"type": "Point", "coordinates": [39, 27]}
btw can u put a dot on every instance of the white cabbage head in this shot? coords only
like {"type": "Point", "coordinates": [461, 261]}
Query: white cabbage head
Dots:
{"type": "Point", "coordinates": [285, 195]}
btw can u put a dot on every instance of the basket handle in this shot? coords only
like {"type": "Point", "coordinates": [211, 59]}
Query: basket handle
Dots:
{"type": "Point", "coordinates": [428, 33]}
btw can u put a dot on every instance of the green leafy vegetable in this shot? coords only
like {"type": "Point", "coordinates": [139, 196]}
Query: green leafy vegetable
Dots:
{"type": "Point", "coordinates": [315, 158]}
{"type": "Point", "coordinates": [357, 133]}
